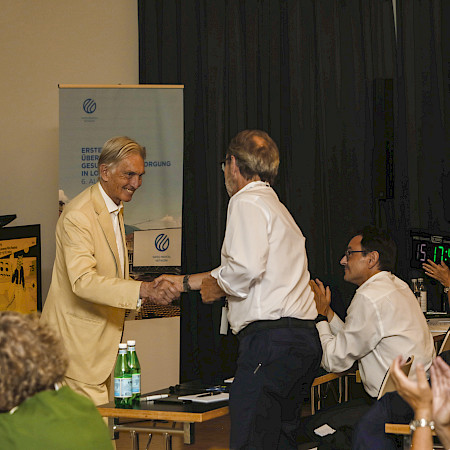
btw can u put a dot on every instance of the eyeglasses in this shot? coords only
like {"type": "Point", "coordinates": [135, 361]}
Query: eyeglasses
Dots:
{"type": "Point", "coordinates": [347, 253]}
{"type": "Point", "coordinates": [224, 162]}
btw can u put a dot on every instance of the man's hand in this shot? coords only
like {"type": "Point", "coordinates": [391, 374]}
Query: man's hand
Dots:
{"type": "Point", "coordinates": [322, 297]}
{"type": "Point", "coordinates": [416, 393]}
{"type": "Point", "coordinates": [210, 290]}
{"type": "Point", "coordinates": [161, 293]}
{"type": "Point", "coordinates": [176, 280]}
{"type": "Point", "coordinates": [440, 386]}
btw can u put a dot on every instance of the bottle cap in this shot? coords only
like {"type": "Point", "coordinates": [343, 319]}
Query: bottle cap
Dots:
{"type": "Point", "coordinates": [122, 345]}
{"type": "Point", "coordinates": [413, 279]}
{"type": "Point", "coordinates": [420, 280]}
{"type": "Point", "coordinates": [131, 343]}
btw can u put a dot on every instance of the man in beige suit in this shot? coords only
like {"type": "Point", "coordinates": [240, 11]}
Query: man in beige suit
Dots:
{"type": "Point", "coordinates": [90, 288]}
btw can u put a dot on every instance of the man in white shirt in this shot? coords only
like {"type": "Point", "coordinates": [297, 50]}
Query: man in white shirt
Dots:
{"type": "Point", "coordinates": [264, 275]}
{"type": "Point", "coordinates": [383, 320]}
{"type": "Point", "coordinates": [90, 288]}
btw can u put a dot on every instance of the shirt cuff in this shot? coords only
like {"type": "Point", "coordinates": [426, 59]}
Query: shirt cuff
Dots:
{"type": "Point", "coordinates": [323, 327]}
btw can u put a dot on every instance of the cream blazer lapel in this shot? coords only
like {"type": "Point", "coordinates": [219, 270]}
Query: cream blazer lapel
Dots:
{"type": "Point", "coordinates": [125, 256]}
{"type": "Point", "coordinates": [105, 222]}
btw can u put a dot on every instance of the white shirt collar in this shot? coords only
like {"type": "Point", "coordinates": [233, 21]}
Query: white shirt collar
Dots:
{"type": "Point", "coordinates": [253, 184]}
{"type": "Point", "coordinates": [110, 205]}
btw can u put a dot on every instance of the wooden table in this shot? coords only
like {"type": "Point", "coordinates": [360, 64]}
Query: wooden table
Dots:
{"type": "Point", "coordinates": [178, 413]}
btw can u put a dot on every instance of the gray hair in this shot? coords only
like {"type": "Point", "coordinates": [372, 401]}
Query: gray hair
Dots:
{"type": "Point", "coordinates": [117, 149]}
{"type": "Point", "coordinates": [256, 154]}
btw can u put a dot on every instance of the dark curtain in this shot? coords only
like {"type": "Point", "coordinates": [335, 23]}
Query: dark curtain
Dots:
{"type": "Point", "coordinates": [423, 131]}
{"type": "Point", "coordinates": [310, 73]}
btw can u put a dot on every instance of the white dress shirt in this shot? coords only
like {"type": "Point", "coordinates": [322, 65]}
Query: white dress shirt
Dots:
{"type": "Point", "coordinates": [264, 268]}
{"type": "Point", "coordinates": [383, 320]}
{"type": "Point", "coordinates": [114, 211]}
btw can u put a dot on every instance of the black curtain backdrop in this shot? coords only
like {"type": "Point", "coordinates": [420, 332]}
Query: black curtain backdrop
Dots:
{"type": "Point", "coordinates": [358, 116]}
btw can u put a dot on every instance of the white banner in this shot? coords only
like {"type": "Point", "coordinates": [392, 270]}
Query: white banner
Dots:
{"type": "Point", "coordinates": [151, 115]}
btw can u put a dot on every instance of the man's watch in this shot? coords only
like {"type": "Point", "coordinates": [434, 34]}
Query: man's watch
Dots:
{"type": "Point", "coordinates": [320, 318]}
{"type": "Point", "coordinates": [420, 423]}
{"type": "Point", "coordinates": [186, 285]}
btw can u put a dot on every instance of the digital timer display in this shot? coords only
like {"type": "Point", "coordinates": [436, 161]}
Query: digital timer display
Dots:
{"type": "Point", "coordinates": [427, 246]}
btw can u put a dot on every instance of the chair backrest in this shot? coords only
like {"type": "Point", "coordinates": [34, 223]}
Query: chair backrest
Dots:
{"type": "Point", "coordinates": [388, 384]}
{"type": "Point", "coordinates": [445, 346]}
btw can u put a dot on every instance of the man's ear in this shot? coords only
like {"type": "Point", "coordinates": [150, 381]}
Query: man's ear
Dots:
{"type": "Point", "coordinates": [104, 172]}
{"type": "Point", "coordinates": [374, 259]}
{"type": "Point", "coordinates": [233, 165]}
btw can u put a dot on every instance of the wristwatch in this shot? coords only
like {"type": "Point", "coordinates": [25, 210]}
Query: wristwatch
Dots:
{"type": "Point", "coordinates": [446, 289]}
{"type": "Point", "coordinates": [186, 285]}
{"type": "Point", "coordinates": [420, 423]}
{"type": "Point", "coordinates": [320, 318]}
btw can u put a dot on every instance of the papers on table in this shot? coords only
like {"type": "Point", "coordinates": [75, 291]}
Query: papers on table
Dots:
{"type": "Point", "coordinates": [324, 430]}
{"type": "Point", "coordinates": [206, 397]}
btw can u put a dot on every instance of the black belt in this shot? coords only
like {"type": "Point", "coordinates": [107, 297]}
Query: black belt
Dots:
{"type": "Point", "coordinates": [284, 322]}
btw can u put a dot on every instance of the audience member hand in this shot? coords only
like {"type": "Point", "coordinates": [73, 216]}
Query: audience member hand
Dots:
{"type": "Point", "coordinates": [210, 290]}
{"type": "Point", "coordinates": [161, 293]}
{"type": "Point", "coordinates": [440, 272]}
{"type": "Point", "coordinates": [440, 387]}
{"type": "Point", "coordinates": [416, 393]}
{"type": "Point", "coordinates": [176, 280]}
{"type": "Point", "coordinates": [322, 296]}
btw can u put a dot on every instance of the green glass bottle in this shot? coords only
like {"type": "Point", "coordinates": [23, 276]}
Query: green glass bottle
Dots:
{"type": "Point", "coordinates": [135, 367]}
{"type": "Point", "coordinates": [122, 379]}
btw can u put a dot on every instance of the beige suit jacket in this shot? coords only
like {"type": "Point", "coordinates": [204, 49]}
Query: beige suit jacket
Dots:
{"type": "Point", "coordinates": [88, 295]}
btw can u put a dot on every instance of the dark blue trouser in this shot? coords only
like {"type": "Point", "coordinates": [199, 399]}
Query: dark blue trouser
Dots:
{"type": "Point", "coordinates": [369, 433]}
{"type": "Point", "coordinates": [275, 370]}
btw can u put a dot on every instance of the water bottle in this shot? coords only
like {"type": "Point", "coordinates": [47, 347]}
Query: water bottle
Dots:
{"type": "Point", "coordinates": [135, 368]}
{"type": "Point", "coordinates": [415, 289]}
{"type": "Point", "coordinates": [423, 295]}
{"type": "Point", "coordinates": [122, 379]}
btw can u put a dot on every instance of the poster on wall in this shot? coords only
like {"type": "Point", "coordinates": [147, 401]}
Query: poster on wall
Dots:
{"type": "Point", "coordinates": [20, 269]}
{"type": "Point", "coordinates": [153, 116]}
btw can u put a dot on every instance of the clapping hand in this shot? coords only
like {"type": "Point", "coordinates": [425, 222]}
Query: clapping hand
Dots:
{"type": "Point", "coordinates": [416, 393]}
{"type": "Point", "coordinates": [440, 272]}
{"type": "Point", "coordinates": [322, 296]}
{"type": "Point", "coordinates": [440, 387]}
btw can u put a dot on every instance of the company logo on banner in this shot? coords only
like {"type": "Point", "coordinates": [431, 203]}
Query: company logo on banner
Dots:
{"type": "Point", "coordinates": [162, 242]}
{"type": "Point", "coordinates": [89, 106]}
{"type": "Point", "coordinates": [151, 248]}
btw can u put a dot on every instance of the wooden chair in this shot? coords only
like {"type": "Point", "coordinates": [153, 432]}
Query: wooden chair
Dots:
{"type": "Point", "coordinates": [404, 431]}
{"type": "Point", "coordinates": [388, 384]}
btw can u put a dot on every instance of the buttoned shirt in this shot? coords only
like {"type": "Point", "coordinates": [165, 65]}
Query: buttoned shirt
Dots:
{"type": "Point", "coordinates": [383, 320]}
{"type": "Point", "coordinates": [264, 268]}
{"type": "Point", "coordinates": [114, 211]}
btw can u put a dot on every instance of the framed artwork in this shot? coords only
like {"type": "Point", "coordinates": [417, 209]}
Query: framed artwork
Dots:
{"type": "Point", "coordinates": [20, 269]}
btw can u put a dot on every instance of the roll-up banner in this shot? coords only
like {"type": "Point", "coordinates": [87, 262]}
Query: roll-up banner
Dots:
{"type": "Point", "coordinates": [153, 116]}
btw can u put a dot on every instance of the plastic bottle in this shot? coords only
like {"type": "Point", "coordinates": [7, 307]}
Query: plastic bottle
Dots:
{"type": "Point", "coordinates": [122, 379]}
{"type": "Point", "coordinates": [415, 288]}
{"type": "Point", "coordinates": [423, 295]}
{"type": "Point", "coordinates": [135, 368]}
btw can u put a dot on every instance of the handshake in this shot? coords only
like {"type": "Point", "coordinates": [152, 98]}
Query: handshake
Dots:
{"type": "Point", "coordinates": [166, 288]}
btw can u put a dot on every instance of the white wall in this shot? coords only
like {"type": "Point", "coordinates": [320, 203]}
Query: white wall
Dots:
{"type": "Point", "coordinates": [44, 43]}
